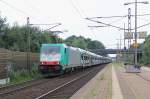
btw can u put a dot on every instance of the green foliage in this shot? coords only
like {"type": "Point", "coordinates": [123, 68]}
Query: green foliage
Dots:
{"type": "Point", "coordinates": [146, 56]}
{"type": "Point", "coordinates": [80, 43]}
{"type": "Point", "coordinates": [95, 45]}
{"type": "Point", "coordinates": [3, 30]}
{"type": "Point", "coordinates": [15, 38]}
{"type": "Point", "coordinates": [145, 47]}
{"type": "Point", "coordinates": [24, 75]}
{"type": "Point", "coordinates": [84, 43]}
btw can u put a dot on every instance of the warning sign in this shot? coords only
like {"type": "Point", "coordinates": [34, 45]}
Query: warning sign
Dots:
{"type": "Point", "coordinates": [128, 35]}
{"type": "Point", "coordinates": [135, 45]}
{"type": "Point", "coordinates": [142, 35]}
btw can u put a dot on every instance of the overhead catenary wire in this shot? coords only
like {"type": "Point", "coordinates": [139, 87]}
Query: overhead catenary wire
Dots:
{"type": "Point", "coordinates": [32, 7]}
{"type": "Point", "coordinates": [106, 24]}
{"type": "Point", "coordinates": [146, 20]}
{"type": "Point", "coordinates": [120, 16]}
{"type": "Point", "coordinates": [15, 8]}
{"type": "Point", "coordinates": [110, 23]}
{"type": "Point", "coordinates": [82, 15]}
{"type": "Point", "coordinates": [143, 25]}
{"type": "Point", "coordinates": [76, 9]}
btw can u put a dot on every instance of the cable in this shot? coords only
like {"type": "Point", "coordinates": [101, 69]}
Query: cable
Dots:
{"type": "Point", "coordinates": [144, 19]}
{"type": "Point", "coordinates": [111, 16]}
{"type": "Point", "coordinates": [142, 15]}
{"type": "Point", "coordinates": [110, 24]}
{"type": "Point", "coordinates": [34, 8]}
{"type": "Point", "coordinates": [106, 24]}
{"type": "Point", "coordinates": [114, 21]}
{"type": "Point", "coordinates": [120, 16]}
{"type": "Point", "coordinates": [79, 10]}
{"type": "Point", "coordinates": [92, 32]}
{"type": "Point", "coordinates": [13, 7]}
{"type": "Point", "coordinates": [18, 10]}
{"type": "Point", "coordinates": [143, 25]}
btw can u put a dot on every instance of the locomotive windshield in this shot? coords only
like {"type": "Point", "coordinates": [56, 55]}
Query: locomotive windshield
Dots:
{"type": "Point", "coordinates": [50, 53]}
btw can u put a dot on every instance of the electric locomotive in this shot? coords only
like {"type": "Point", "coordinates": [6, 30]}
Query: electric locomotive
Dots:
{"type": "Point", "coordinates": [55, 59]}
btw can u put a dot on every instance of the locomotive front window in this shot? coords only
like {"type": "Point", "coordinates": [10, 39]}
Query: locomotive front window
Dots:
{"type": "Point", "coordinates": [51, 50]}
{"type": "Point", "coordinates": [50, 53]}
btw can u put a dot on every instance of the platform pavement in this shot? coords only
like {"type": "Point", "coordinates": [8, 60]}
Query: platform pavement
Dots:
{"type": "Point", "coordinates": [100, 87]}
{"type": "Point", "coordinates": [145, 68]}
{"type": "Point", "coordinates": [134, 85]}
{"type": "Point", "coordinates": [115, 83]}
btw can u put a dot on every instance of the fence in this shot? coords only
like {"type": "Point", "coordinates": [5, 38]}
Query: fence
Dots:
{"type": "Point", "coordinates": [11, 61]}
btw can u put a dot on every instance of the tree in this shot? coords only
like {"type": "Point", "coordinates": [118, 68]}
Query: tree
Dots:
{"type": "Point", "coordinates": [3, 29]}
{"type": "Point", "coordinates": [70, 40]}
{"type": "Point", "coordinates": [80, 43]}
{"type": "Point", "coordinates": [84, 43]}
{"type": "Point", "coordinates": [15, 38]}
{"type": "Point", "coordinates": [95, 45]}
{"type": "Point", "coordinates": [146, 56]}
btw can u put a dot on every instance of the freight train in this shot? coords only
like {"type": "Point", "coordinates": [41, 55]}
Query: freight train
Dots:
{"type": "Point", "coordinates": [56, 59]}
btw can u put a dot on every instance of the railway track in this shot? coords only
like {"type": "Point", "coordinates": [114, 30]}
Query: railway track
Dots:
{"type": "Point", "coordinates": [66, 90]}
{"type": "Point", "coordinates": [16, 87]}
{"type": "Point", "coordinates": [52, 85]}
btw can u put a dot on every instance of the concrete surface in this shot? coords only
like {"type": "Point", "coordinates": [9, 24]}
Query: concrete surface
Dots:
{"type": "Point", "coordinates": [113, 82]}
{"type": "Point", "coordinates": [116, 91]}
{"type": "Point", "coordinates": [97, 88]}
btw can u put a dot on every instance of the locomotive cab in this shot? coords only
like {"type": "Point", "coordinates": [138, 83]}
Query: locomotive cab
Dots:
{"type": "Point", "coordinates": [50, 59]}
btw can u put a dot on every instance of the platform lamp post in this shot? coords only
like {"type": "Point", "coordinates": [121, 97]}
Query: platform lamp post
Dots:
{"type": "Point", "coordinates": [135, 34]}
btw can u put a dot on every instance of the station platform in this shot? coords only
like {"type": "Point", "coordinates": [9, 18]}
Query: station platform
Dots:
{"type": "Point", "coordinates": [97, 88]}
{"type": "Point", "coordinates": [114, 83]}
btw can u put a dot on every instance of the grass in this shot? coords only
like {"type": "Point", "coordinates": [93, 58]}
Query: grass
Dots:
{"type": "Point", "coordinates": [23, 75]}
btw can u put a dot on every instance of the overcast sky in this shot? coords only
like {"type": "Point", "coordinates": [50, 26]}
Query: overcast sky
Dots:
{"type": "Point", "coordinates": [71, 14]}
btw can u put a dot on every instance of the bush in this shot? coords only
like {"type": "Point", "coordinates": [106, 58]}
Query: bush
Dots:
{"type": "Point", "coordinates": [24, 75]}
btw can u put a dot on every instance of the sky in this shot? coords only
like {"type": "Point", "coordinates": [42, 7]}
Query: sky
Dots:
{"type": "Point", "coordinates": [72, 14]}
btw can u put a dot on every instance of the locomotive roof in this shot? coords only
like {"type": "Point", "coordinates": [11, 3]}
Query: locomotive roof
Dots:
{"type": "Point", "coordinates": [53, 44]}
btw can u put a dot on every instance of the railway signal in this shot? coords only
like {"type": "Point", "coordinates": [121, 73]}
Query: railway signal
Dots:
{"type": "Point", "coordinates": [135, 45]}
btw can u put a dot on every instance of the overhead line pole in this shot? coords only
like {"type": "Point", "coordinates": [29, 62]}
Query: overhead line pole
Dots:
{"type": "Point", "coordinates": [129, 26]}
{"type": "Point", "coordinates": [124, 38]}
{"type": "Point", "coordinates": [28, 45]}
{"type": "Point", "coordinates": [135, 34]}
